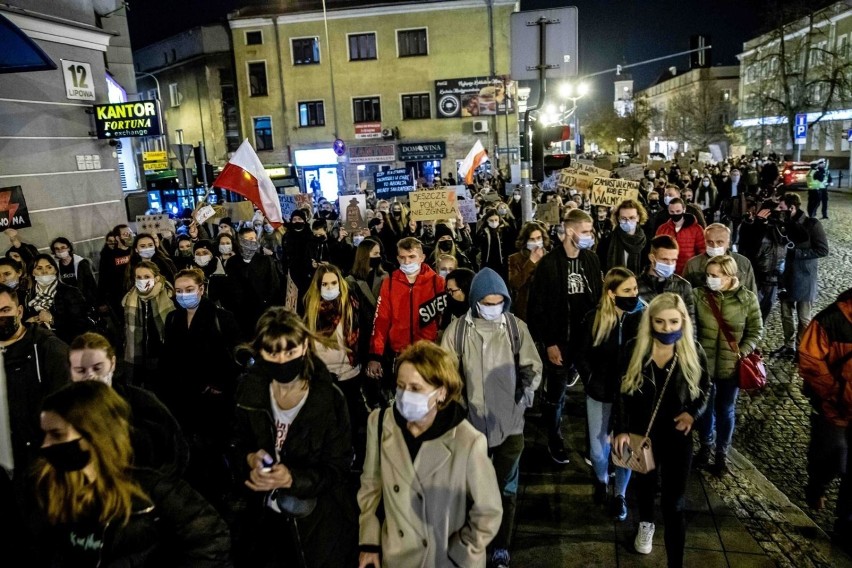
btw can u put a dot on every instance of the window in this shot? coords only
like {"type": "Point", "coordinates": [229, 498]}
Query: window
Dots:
{"type": "Point", "coordinates": [311, 113]}
{"type": "Point", "coordinates": [367, 109]}
{"type": "Point", "coordinates": [257, 79]}
{"type": "Point", "coordinates": [843, 46]}
{"type": "Point", "coordinates": [362, 47]}
{"type": "Point", "coordinates": [416, 106]}
{"type": "Point", "coordinates": [726, 95]}
{"type": "Point", "coordinates": [412, 42]}
{"type": "Point", "coordinates": [254, 38]}
{"type": "Point", "coordinates": [262, 133]}
{"type": "Point", "coordinates": [174, 95]}
{"type": "Point", "coordinates": [305, 51]}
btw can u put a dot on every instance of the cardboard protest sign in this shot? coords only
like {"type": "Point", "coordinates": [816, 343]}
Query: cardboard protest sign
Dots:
{"type": "Point", "coordinates": [204, 213]}
{"type": "Point", "coordinates": [610, 192]}
{"type": "Point", "coordinates": [705, 157]}
{"type": "Point", "coordinates": [392, 183]}
{"type": "Point", "coordinates": [467, 208]}
{"type": "Point", "coordinates": [239, 210]}
{"type": "Point", "coordinates": [461, 191]}
{"type": "Point", "coordinates": [633, 172]}
{"type": "Point", "coordinates": [656, 165]}
{"type": "Point", "coordinates": [548, 212]}
{"type": "Point", "coordinates": [288, 205]}
{"type": "Point", "coordinates": [353, 212]}
{"type": "Point", "coordinates": [580, 176]}
{"type": "Point", "coordinates": [13, 209]}
{"type": "Point", "coordinates": [303, 201]}
{"type": "Point", "coordinates": [432, 205]}
{"type": "Point", "coordinates": [604, 162]}
{"type": "Point", "coordinates": [154, 224]}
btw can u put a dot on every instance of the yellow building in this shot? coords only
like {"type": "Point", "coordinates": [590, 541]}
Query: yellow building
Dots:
{"type": "Point", "coordinates": [411, 84]}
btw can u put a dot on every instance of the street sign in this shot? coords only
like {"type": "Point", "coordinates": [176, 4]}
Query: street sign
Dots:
{"type": "Point", "coordinates": [79, 82]}
{"type": "Point", "coordinates": [801, 129]}
{"type": "Point", "coordinates": [560, 46]}
{"type": "Point", "coordinates": [185, 155]}
{"type": "Point", "coordinates": [339, 147]}
{"type": "Point", "coordinates": [849, 136]}
{"type": "Point", "coordinates": [154, 156]}
{"type": "Point", "coordinates": [153, 166]}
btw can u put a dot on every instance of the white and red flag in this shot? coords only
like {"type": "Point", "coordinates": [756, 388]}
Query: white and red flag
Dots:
{"type": "Point", "coordinates": [244, 174]}
{"type": "Point", "coordinates": [474, 158]}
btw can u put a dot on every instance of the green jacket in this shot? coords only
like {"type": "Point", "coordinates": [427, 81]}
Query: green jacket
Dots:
{"type": "Point", "coordinates": [740, 309]}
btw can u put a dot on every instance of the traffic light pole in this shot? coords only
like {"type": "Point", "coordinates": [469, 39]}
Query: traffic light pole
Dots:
{"type": "Point", "coordinates": [526, 148]}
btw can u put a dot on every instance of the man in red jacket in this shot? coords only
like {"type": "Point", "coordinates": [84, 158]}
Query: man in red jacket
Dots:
{"type": "Point", "coordinates": [686, 231]}
{"type": "Point", "coordinates": [825, 364]}
{"type": "Point", "coordinates": [408, 309]}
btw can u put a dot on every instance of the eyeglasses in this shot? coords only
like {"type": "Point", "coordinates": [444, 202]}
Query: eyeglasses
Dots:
{"type": "Point", "coordinates": [626, 219]}
{"type": "Point", "coordinates": [453, 290]}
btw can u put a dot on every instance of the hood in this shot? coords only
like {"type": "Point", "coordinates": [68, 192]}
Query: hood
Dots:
{"type": "Point", "coordinates": [488, 282]}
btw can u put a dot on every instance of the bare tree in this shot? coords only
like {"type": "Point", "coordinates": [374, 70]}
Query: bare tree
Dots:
{"type": "Point", "coordinates": [604, 127]}
{"type": "Point", "coordinates": [700, 115]}
{"type": "Point", "coordinates": [799, 67]}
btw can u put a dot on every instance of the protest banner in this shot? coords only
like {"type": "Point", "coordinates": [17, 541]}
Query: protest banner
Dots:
{"type": "Point", "coordinates": [705, 157]}
{"type": "Point", "coordinates": [467, 208]}
{"type": "Point", "coordinates": [656, 165]}
{"type": "Point", "coordinates": [432, 205]}
{"type": "Point", "coordinates": [461, 191]}
{"type": "Point", "coordinates": [580, 176]}
{"type": "Point", "coordinates": [548, 212]}
{"type": "Point", "coordinates": [13, 209]}
{"type": "Point", "coordinates": [610, 192]}
{"type": "Point", "coordinates": [604, 162]}
{"type": "Point", "coordinates": [633, 172]}
{"type": "Point", "coordinates": [303, 200]}
{"type": "Point", "coordinates": [288, 205]}
{"type": "Point", "coordinates": [152, 224]}
{"type": "Point", "coordinates": [392, 183]}
{"type": "Point", "coordinates": [353, 212]}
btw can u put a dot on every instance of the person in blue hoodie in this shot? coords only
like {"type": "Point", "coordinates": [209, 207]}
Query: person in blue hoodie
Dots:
{"type": "Point", "coordinates": [501, 369]}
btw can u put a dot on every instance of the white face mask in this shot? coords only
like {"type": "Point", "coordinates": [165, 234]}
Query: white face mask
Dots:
{"type": "Point", "coordinates": [225, 249]}
{"type": "Point", "coordinates": [493, 224]}
{"type": "Point", "coordinates": [714, 283]}
{"type": "Point", "coordinates": [357, 240]}
{"type": "Point", "coordinates": [410, 268]}
{"type": "Point", "coordinates": [144, 285]}
{"type": "Point", "coordinates": [63, 254]}
{"type": "Point", "coordinates": [715, 251]}
{"type": "Point", "coordinates": [329, 294]}
{"type": "Point", "coordinates": [706, 183]}
{"type": "Point", "coordinates": [413, 405]}
{"type": "Point", "coordinates": [444, 271]}
{"type": "Point", "coordinates": [667, 199]}
{"type": "Point", "coordinates": [147, 252]}
{"type": "Point", "coordinates": [490, 313]}
{"type": "Point", "coordinates": [46, 280]}
{"type": "Point", "coordinates": [203, 259]}
{"type": "Point", "coordinates": [537, 244]}
{"type": "Point", "coordinates": [106, 379]}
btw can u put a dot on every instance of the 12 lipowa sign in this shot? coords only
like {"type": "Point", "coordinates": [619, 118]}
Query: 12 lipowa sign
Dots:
{"type": "Point", "coordinates": [141, 118]}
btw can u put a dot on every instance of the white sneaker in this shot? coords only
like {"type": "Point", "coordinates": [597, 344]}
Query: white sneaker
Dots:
{"type": "Point", "coordinates": [644, 538]}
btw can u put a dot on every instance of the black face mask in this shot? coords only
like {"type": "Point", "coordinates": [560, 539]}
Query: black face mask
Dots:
{"type": "Point", "coordinates": [456, 307]}
{"type": "Point", "coordinates": [320, 238]}
{"type": "Point", "coordinates": [397, 213]}
{"type": "Point", "coordinates": [297, 226]}
{"type": "Point", "coordinates": [445, 246]}
{"type": "Point", "coordinates": [67, 456]}
{"type": "Point", "coordinates": [375, 262]}
{"type": "Point", "coordinates": [282, 372]}
{"type": "Point", "coordinates": [676, 218]}
{"type": "Point", "coordinates": [8, 327]}
{"type": "Point", "coordinates": [626, 303]}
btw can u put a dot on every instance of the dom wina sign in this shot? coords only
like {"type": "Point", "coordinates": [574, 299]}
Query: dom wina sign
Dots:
{"type": "Point", "coordinates": [140, 118]}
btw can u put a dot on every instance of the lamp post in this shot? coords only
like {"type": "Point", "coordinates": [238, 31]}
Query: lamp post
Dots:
{"type": "Point", "coordinates": [165, 134]}
{"type": "Point", "coordinates": [574, 93]}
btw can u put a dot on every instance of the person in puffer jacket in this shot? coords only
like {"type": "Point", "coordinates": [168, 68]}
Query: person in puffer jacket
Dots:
{"type": "Point", "coordinates": [741, 312]}
{"type": "Point", "coordinates": [499, 385]}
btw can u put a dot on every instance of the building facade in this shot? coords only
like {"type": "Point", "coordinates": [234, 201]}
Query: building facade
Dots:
{"type": "Point", "coordinates": [72, 181]}
{"type": "Point", "coordinates": [818, 63]}
{"type": "Point", "coordinates": [411, 84]}
{"type": "Point", "coordinates": [694, 111]}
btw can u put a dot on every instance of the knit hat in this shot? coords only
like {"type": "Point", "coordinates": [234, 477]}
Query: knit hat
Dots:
{"type": "Point", "coordinates": [442, 230]}
{"type": "Point", "coordinates": [488, 282]}
{"type": "Point", "coordinates": [203, 243]}
{"type": "Point", "coordinates": [299, 213]}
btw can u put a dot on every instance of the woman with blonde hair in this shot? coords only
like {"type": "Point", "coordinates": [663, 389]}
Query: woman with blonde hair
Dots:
{"type": "Point", "coordinates": [607, 329]}
{"type": "Point", "coordinates": [428, 467]}
{"type": "Point", "coordinates": [100, 510]}
{"type": "Point", "coordinates": [293, 450]}
{"type": "Point", "coordinates": [723, 307]}
{"type": "Point", "coordinates": [333, 311]}
{"type": "Point", "coordinates": [665, 378]}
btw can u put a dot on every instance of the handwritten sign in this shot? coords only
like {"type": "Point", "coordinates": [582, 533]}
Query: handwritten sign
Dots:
{"type": "Point", "coordinates": [154, 224]}
{"type": "Point", "coordinates": [604, 162]}
{"type": "Point", "coordinates": [289, 203]}
{"type": "Point", "coordinates": [633, 172]}
{"type": "Point", "coordinates": [432, 205]}
{"type": "Point", "coordinates": [204, 213]}
{"type": "Point", "coordinates": [353, 209]}
{"type": "Point", "coordinates": [13, 209]}
{"type": "Point", "coordinates": [392, 183]}
{"type": "Point", "coordinates": [610, 192]}
{"type": "Point", "coordinates": [548, 212]}
{"type": "Point", "coordinates": [656, 165]}
{"type": "Point", "coordinates": [467, 208]}
{"type": "Point", "coordinates": [580, 176]}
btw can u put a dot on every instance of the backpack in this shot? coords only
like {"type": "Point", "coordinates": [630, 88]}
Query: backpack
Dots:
{"type": "Point", "coordinates": [514, 338]}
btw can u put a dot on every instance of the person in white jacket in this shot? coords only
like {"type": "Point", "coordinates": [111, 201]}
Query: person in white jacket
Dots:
{"type": "Point", "coordinates": [501, 369]}
{"type": "Point", "coordinates": [428, 496]}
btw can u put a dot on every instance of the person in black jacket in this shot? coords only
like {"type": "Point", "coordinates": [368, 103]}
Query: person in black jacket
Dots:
{"type": "Point", "coordinates": [763, 240]}
{"type": "Point", "coordinates": [660, 276]}
{"type": "Point", "coordinates": [98, 509]}
{"type": "Point", "coordinates": [75, 270]}
{"type": "Point", "coordinates": [295, 244]}
{"type": "Point", "coordinates": [606, 330]}
{"type": "Point", "coordinates": [111, 271]}
{"type": "Point", "coordinates": [290, 413]}
{"type": "Point", "coordinates": [662, 368]}
{"type": "Point", "coordinates": [53, 304]}
{"type": "Point", "coordinates": [255, 281]}
{"type": "Point", "coordinates": [567, 284]}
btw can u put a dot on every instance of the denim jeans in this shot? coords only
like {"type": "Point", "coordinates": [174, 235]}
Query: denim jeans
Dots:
{"type": "Point", "coordinates": [716, 425]}
{"type": "Point", "coordinates": [598, 414]}
{"type": "Point", "coordinates": [766, 295]}
{"type": "Point", "coordinates": [506, 459]}
{"type": "Point", "coordinates": [556, 380]}
{"type": "Point", "coordinates": [792, 336]}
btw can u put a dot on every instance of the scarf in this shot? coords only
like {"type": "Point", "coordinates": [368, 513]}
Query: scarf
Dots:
{"type": "Point", "coordinates": [44, 297]}
{"type": "Point", "coordinates": [328, 319]}
{"type": "Point", "coordinates": [160, 300]}
{"type": "Point", "coordinates": [633, 245]}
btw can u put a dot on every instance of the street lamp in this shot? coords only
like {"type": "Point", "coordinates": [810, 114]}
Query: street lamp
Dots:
{"type": "Point", "coordinates": [574, 93]}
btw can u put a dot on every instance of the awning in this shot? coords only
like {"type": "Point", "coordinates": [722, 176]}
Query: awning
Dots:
{"type": "Point", "coordinates": [19, 53]}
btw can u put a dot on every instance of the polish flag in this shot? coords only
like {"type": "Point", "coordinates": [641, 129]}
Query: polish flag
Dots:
{"type": "Point", "coordinates": [475, 157]}
{"type": "Point", "coordinates": [244, 174]}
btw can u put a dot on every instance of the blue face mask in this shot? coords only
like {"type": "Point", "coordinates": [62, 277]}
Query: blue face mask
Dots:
{"type": "Point", "coordinates": [664, 270]}
{"type": "Point", "coordinates": [627, 226]}
{"type": "Point", "coordinates": [668, 338]}
{"type": "Point", "coordinates": [586, 242]}
{"type": "Point", "coordinates": [189, 300]}
{"type": "Point", "coordinates": [490, 313]}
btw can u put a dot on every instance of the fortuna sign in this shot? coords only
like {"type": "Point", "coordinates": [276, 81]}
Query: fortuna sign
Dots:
{"type": "Point", "coordinates": [128, 119]}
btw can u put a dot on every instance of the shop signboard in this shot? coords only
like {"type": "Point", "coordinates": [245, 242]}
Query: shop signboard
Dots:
{"type": "Point", "coordinates": [474, 96]}
{"type": "Point", "coordinates": [120, 120]}
{"type": "Point", "coordinates": [367, 130]}
{"type": "Point", "coordinates": [422, 151]}
{"type": "Point", "coordinates": [380, 153]}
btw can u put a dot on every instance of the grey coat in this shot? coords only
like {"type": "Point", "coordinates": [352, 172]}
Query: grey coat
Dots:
{"type": "Point", "coordinates": [800, 272]}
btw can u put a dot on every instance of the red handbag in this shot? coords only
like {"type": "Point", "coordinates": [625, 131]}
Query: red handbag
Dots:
{"type": "Point", "coordinates": [751, 370]}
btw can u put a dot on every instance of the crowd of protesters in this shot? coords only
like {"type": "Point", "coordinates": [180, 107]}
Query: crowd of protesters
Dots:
{"type": "Point", "coordinates": [233, 393]}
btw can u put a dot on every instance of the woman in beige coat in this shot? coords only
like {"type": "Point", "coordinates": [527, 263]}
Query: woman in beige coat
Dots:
{"type": "Point", "coordinates": [431, 476]}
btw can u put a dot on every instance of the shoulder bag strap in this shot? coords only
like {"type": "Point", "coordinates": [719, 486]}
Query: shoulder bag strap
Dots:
{"type": "Point", "coordinates": [662, 392]}
{"type": "Point", "coordinates": [723, 325]}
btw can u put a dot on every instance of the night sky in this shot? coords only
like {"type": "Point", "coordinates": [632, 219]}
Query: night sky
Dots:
{"type": "Point", "coordinates": [611, 31]}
